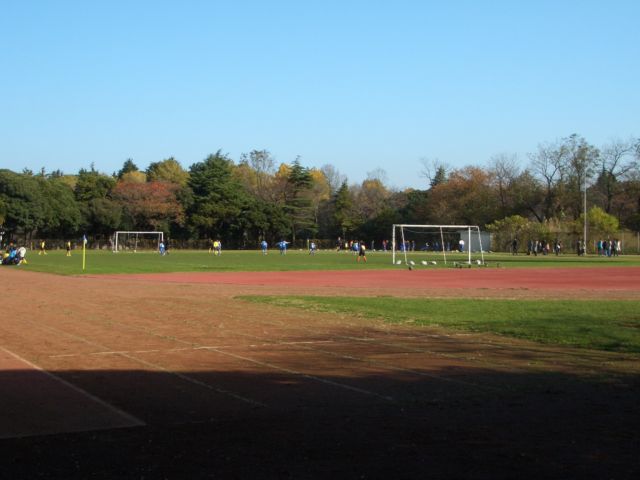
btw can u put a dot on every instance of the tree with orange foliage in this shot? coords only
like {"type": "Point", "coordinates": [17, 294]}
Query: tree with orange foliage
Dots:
{"type": "Point", "coordinates": [152, 205]}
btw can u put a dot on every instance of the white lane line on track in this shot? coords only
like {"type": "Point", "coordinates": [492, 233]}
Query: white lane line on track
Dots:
{"type": "Point", "coordinates": [257, 362]}
{"type": "Point", "coordinates": [304, 375]}
{"type": "Point", "coordinates": [135, 422]}
{"type": "Point", "coordinates": [185, 349]}
{"type": "Point", "coordinates": [160, 368]}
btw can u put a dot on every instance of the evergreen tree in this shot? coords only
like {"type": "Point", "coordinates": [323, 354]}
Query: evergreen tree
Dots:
{"type": "Point", "coordinates": [298, 204]}
{"type": "Point", "coordinates": [220, 206]}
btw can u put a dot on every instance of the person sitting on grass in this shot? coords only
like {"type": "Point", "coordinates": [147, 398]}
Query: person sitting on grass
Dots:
{"type": "Point", "coordinates": [22, 256]}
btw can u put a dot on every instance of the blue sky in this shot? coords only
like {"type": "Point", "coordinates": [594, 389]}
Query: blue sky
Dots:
{"type": "Point", "coordinates": [359, 84]}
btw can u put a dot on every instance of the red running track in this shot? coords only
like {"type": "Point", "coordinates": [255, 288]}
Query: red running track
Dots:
{"type": "Point", "coordinates": [605, 278]}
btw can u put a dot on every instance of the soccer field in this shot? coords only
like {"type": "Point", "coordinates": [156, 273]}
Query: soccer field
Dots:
{"type": "Point", "coordinates": [106, 262]}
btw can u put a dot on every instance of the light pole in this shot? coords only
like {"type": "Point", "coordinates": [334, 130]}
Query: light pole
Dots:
{"type": "Point", "coordinates": [584, 207]}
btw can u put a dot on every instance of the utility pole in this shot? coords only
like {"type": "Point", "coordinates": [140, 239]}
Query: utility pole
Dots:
{"type": "Point", "coordinates": [584, 207]}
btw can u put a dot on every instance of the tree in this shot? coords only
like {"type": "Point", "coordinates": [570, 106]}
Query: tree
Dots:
{"type": "Point", "coordinates": [127, 167]}
{"type": "Point", "coordinates": [582, 159]}
{"type": "Point", "coordinates": [101, 215]}
{"type": "Point", "coordinates": [334, 178]}
{"type": "Point", "coordinates": [527, 196]}
{"type": "Point", "coordinates": [466, 198]}
{"type": "Point", "coordinates": [370, 199]}
{"type": "Point", "coordinates": [508, 229]}
{"type": "Point", "coordinates": [133, 177]}
{"type": "Point", "coordinates": [152, 205]}
{"type": "Point", "coordinates": [434, 171]}
{"type": "Point", "coordinates": [3, 211]}
{"type": "Point", "coordinates": [599, 221]}
{"type": "Point", "coordinates": [260, 168]}
{"type": "Point", "coordinates": [320, 193]}
{"type": "Point", "coordinates": [549, 163]}
{"type": "Point", "coordinates": [504, 169]}
{"type": "Point", "coordinates": [92, 184]}
{"type": "Point", "coordinates": [616, 161]}
{"type": "Point", "coordinates": [24, 204]}
{"type": "Point", "coordinates": [343, 210]}
{"type": "Point", "coordinates": [62, 214]}
{"type": "Point", "coordinates": [168, 170]}
{"type": "Point", "coordinates": [219, 202]}
{"type": "Point", "coordinates": [298, 204]}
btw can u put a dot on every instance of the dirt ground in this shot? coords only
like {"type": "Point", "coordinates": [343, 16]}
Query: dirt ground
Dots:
{"type": "Point", "coordinates": [171, 376]}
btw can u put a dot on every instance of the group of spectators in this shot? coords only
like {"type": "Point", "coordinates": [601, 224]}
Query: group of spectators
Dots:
{"type": "Point", "coordinates": [535, 247]}
{"type": "Point", "coordinates": [606, 248]}
{"type": "Point", "coordinates": [14, 255]}
{"type": "Point", "coordinates": [609, 248]}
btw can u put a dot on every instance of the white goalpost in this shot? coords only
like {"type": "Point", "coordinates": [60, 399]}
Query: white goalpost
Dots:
{"type": "Point", "coordinates": [126, 240]}
{"type": "Point", "coordinates": [463, 233]}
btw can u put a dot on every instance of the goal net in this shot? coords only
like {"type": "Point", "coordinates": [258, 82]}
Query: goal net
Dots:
{"type": "Point", "coordinates": [135, 241]}
{"type": "Point", "coordinates": [446, 241]}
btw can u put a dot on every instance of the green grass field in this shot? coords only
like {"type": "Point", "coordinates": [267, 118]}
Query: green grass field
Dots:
{"type": "Point", "coordinates": [595, 324]}
{"type": "Point", "coordinates": [105, 262]}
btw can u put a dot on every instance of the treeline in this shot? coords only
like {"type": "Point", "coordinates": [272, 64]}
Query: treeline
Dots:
{"type": "Point", "coordinates": [245, 201]}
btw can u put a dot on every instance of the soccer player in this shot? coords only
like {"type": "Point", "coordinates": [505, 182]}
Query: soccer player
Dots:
{"type": "Point", "coordinates": [217, 247]}
{"type": "Point", "coordinates": [264, 245]}
{"type": "Point", "coordinates": [43, 250]}
{"type": "Point", "coordinates": [282, 245]}
{"type": "Point", "coordinates": [312, 248]}
{"type": "Point", "coordinates": [161, 249]}
{"type": "Point", "coordinates": [362, 252]}
{"type": "Point", "coordinates": [68, 248]}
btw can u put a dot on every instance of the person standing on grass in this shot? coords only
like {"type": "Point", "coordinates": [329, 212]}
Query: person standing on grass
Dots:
{"type": "Point", "coordinates": [68, 248]}
{"type": "Point", "coordinates": [362, 252]}
{"type": "Point", "coordinates": [312, 248]}
{"type": "Point", "coordinates": [282, 246]}
{"type": "Point", "coordinates": [43, 250]}
{"type": "Point", "coordinates": [264, 246]}
{"type": "Point", "coordinates": [217, 248]}
{"type": "Point", "coordinates": [514, 247]}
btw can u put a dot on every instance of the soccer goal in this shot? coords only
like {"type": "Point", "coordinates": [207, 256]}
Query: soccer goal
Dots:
{"type": "Point", "coordinates": [444, 239]}
{"type": "Point", "coordinates": [134, 241]}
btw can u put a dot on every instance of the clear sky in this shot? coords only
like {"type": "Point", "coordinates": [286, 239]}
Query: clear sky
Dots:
{"type": "Point", "coordinates": [358, 84]}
